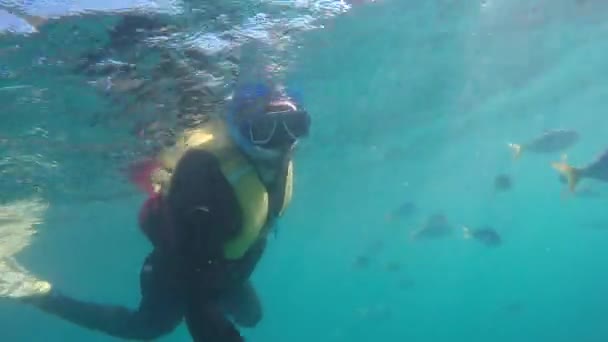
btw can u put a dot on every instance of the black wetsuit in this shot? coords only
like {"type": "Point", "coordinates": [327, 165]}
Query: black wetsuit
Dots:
{"type": "Point", "coordinates": [196, 283]}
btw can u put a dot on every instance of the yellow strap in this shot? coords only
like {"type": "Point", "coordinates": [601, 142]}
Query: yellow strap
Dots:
{"type": "Point", "coordinates": [288, 188]}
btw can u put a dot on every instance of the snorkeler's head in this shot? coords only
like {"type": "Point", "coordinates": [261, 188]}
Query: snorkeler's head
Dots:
{"type": "Point", "coordinates": [266, 122]}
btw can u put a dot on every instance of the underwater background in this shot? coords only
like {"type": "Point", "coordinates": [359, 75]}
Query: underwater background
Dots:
{"type": "Point", "coordinates": [413, 105]}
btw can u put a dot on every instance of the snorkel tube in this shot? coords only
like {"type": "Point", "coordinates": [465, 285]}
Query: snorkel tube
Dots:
{"type": "Point", "coordinates": [254, 92]}
{"type": "Point", "coordinates": [249, 88]}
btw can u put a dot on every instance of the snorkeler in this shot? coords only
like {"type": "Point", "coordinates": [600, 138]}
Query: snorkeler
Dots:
{"type": "Point", "coordinates": [213, 199]}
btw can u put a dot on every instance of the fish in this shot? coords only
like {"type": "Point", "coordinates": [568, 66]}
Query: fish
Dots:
{"type": "Point", "coordinates": [436, 226]}
{"type": "Point", "coordinates": [376, 312]}
{"type": "Point", "coordinates": [393, 266]}
{"type": "Point", "coordinates": [405, 210]}
{"type": "Point", "coordinates": [597, 169]}
{"type": "Point", "coordinates": [513, 308]}
{"type": "Point", "coordinates": [550, 141]}
{"type": "Point", "coordinates": [486, 235]}
{"type": "Point", "coordinates": [362, 262]}
{"type": "Point", "coordinates": [503, 182]}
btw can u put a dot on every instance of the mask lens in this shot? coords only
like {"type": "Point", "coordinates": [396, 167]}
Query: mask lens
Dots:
{"type": "Point", "coordinates": [296, 123]}
{"type": "Point", "coordinates": [280, 126]}
{"type": "Point", "coordinates": [277, 130]}
{"type": "Point", "coordinates": [262, 129]}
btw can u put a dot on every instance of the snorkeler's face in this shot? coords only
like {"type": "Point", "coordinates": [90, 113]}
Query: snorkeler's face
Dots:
{"type": "Point", "coordinates": [281, 125]}
{"type": "Point", "coordinates": [278, 127]}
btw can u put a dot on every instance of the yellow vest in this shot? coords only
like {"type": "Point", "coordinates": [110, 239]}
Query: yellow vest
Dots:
{"type": "Point", "coordinates": [249, 189]}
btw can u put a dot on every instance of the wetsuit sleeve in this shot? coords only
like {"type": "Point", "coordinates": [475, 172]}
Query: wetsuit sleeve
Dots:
{"type": "Point", "coordinates": [203, 206]}
{"type": "Point", "coordinates": [160, 311]}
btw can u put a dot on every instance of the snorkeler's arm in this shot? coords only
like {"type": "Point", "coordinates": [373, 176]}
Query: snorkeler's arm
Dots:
{"type": "Point", "coordinates": [203, 205]}
{"type": "Point", "coordinates": [160, 310]}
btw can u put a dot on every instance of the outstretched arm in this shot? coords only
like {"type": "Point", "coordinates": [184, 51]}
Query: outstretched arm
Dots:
{"type": "Point", "coordinates": [160, 310]}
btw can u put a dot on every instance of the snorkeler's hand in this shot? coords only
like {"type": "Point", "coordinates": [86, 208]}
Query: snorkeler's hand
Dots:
{"type": "Point", "coordinates": [17, 283]}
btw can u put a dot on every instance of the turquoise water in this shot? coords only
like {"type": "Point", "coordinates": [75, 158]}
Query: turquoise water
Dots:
{"type": "Point", "coordinates": [411, 102]}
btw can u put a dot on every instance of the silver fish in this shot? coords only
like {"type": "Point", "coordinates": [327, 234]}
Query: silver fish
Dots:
{"type": "Point", "coordinates": [550, 141]}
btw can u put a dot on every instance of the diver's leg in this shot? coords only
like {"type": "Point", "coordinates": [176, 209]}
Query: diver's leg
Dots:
{"type": "Point", "coordinates": [160, 311]}
{"type": "Point", "coordinates": [207, 323]}
{"type": "Point", "coordinates": [243, 305]}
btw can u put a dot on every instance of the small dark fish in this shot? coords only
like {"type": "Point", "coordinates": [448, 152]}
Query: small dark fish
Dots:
{"type": "Point", "coordinates": [362, 261]}
{"type": "Point", "coordinates": [549, 142]}
{"type": "Point", "coordinates": [436, 226]}
{"type": "Point", "coordinates": [597, 169]}
{"type": "Point", "coordinates": [503, 182]}
{"type": "Point", "coordinates": [486, 235]}
{"type": "Point", "coordinates": [393, 266]}
{"type": "Point", "coordinates": [513, 308]}
{"type": "Point", "coordinates": [376, 312]}
{"type": "Point", "coordinates": [405, 210]}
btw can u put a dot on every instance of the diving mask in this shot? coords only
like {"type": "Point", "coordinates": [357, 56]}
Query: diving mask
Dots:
{"type": "Point", "coordinates": [279, 126]}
